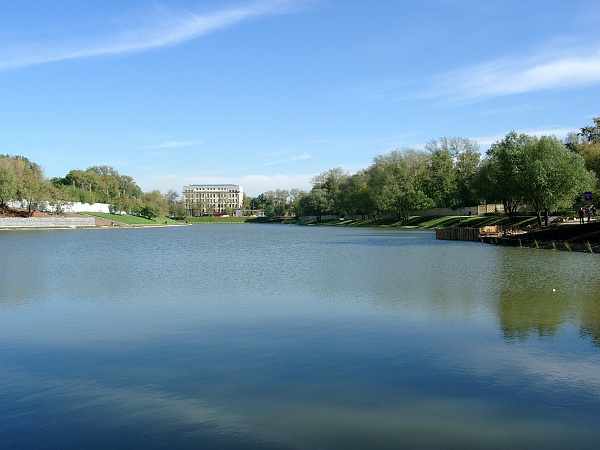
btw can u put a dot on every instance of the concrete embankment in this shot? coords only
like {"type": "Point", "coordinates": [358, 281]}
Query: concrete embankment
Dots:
{"type": "Point", "coordinates": [47, 222]}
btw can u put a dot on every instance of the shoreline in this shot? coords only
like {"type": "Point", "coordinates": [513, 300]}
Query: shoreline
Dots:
{"type": "Point", "coordinates": [569, 235]}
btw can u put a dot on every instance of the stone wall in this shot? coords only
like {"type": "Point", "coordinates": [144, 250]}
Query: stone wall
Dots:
{"type": "Point", "coordinates": [46, 222]}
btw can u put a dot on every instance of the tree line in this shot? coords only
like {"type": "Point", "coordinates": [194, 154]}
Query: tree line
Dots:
{"type": "Point", "coordinates": [520, 169]}
{"type": "Point", "coordinates": [22, 181]}
{"type": "Point", "coordinates": [543, 172]}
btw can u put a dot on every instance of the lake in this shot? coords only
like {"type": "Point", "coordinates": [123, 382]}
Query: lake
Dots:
{"type": "Point", "coordinates": [290, 337]}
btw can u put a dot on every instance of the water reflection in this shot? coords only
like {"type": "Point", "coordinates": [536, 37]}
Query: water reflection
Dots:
{"type": "Point", "coordinates": [590, 320]}
{"type": "Point", "coordinates": [291, 337]}
{"type": "Point", "coordinates": [541, 292]}
{"type": "Point", "coordinates": [522, 315]}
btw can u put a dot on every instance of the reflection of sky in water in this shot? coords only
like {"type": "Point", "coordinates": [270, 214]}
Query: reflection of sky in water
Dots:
{"type": "Point", "coordinates": [295, 340]}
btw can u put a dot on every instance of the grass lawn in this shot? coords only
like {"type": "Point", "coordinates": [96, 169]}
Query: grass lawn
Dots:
{"type": "Point", "coordinates": [411, 222]}
{"type": "Point", "coordinates": [427, 222]}
{"type": "Point", "coordinates": [134, 220]}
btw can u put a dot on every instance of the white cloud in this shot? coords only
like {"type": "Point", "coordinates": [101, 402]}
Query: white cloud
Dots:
{"type": "Point", "coordinates": [516, 76]}
{"type": "Point", "coordinates": [163, 29]}
{"type": "Point", "coordinates": [177, 144]}
{"type": "Point", "coordinates": [293, 158]}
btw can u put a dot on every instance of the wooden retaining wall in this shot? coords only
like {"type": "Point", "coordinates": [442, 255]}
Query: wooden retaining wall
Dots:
{"type": "Point", "coordinates": [457, 234]}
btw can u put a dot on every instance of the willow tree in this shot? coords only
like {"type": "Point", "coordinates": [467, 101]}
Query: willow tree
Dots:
{"type": "Point", "coordinates": [523, 169]}
{"type": "Point", "coordinates": [554, 176]}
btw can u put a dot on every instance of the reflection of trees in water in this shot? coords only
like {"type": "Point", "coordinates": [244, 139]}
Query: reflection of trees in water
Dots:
{"type": "Point", "coordinates": [523, 314]}
{"type": "Point", "coordinates": [526, 314]}
{"type": "Point", "coordinates": [590, 321]}
{"type": "Point", "coordinates": [540, 291]}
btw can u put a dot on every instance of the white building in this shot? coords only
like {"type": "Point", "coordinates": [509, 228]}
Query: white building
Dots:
{"type": "Point", "coordinates": [212, 198]}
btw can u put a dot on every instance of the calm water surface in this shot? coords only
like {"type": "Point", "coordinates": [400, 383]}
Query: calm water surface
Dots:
{"type": "Point", "coordinates": [272, 336]}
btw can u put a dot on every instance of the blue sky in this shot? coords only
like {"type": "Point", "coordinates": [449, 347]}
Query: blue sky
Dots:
{"type": "Point", "coordinates": [269, 93]}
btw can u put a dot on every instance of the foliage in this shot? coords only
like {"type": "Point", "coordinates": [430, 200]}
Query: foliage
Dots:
{"type": "Point", "coordinates": [8, 180]}
{"type": "Point", "coordinates": [523, 169]}
{"type": "Point", "coordinates": [397, 182]}
{"type": "Point", "coordinates": [329, 185]}
{"type": "Point", "coordinates": [152, 204]}
{"type": "Point", "coordinates": [449, 173]}
{"type": "Point", "coordinates": [355, 197]}
{"type": "Point", "coordinates": [518, 170]}
{"type": "Point", "coordinates": [278, 203]}
{"type": "Point", "coordinates": [178, 211]}
{"type": "Point", "coordinates": [501, 174]}
{"type": "Point", "coordinates": [21, 180]}
{"type": "Point", "coordinates": [315, 203]}
{"type": "Point", "coordinates": [586, 143]}
{"type": "Point", "coordinates": [100, 184]}
{"type": "Point", "coordinates": [591, 134]}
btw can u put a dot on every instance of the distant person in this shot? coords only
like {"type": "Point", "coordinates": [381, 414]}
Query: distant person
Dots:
{"type": "Point", "coordinates": [581, 214]}
{"type": "Point", "coordinates": [589, 214]}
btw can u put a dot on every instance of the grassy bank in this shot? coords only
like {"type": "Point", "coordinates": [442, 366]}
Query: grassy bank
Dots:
{"type": "Point", "coordinates": [411, 222]}
{"type": "Point", "coordinates": [425, 222]}
{"type": "Point", "coordinates": [128, 219]}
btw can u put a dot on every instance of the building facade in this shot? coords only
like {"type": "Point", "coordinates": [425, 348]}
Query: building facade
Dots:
{"type": "Point", "coordinates": [202, 199]}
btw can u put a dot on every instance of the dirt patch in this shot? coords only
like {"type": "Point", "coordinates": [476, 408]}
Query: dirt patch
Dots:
{"type": "Point", "coordinates": [5, 211]}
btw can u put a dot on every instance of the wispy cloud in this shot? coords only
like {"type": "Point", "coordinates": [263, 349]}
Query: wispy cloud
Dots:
{"type": "Point", "coordinates": [176, 144]}
{"type": "Point", "coordinates": [162, 28]}
{"type": "Point", "coordinates": [294, 158]}
{"type": "Point", "coordinates": [517, 76]}
{"type": "Point", "coordinates": [285, 151]}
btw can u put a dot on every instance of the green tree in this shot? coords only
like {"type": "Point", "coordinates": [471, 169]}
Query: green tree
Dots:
{"type": "Point", "coordinates": [31, 183]}
{"type": "Point", "coordinates": [466, 163]}
{"type": "Point", "coordinates": [453, 164]}
{"type": "Point", "coordinates": [441, 183]}
{"type": "Point", "coordinates": [177, 211]}
{"type": "Point", "coordinates": [329, 182]}
{"type": "Point", "coordinates": [591, 134]}
{"type": "Point", "coordinates": [8, 180]}
{"type": "Point", "coordinates": [355, 196]}
{"type": "Point", "coordinates": [101, 184]}
{"type": "Point", "coordinates": [316, 203]}
{"type": "Point", "coordinates": [398, 181]}
{"type": "Point", "coordinates": [149, 211]}
{"type": "Point", "coordinates": [171, 197]}
{"type": "Point", "coordinates": [523, 169]}
{"type": "Point", "coordinates": [153, 204]}
{"type": "Point", "coordinates": [501, 174]}
{"type": "Point", "coordinates": [586, 143]}
{"type": "Point", "coordinates": [554, 177]}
